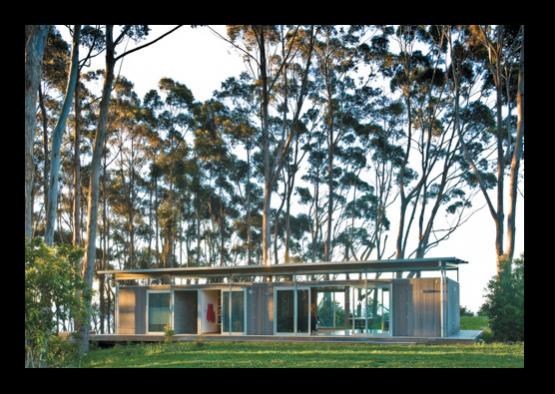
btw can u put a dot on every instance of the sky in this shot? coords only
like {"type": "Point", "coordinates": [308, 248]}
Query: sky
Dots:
{"type": "Point", "coordinates": [201, 60]}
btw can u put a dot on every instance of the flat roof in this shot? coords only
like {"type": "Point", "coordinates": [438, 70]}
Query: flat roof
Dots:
{"type": "Point", "coordinates": [329, 267]}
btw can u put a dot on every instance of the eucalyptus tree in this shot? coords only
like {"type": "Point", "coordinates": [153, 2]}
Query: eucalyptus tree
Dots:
{"type": "Point", "coordinates": [239, 94]}
{"type": "Point", "coordinates": [261, 46]}
{"type": "Point", "coordinates": [500, 50]}
{"type": "Point", "coordinates": [176, 120]}
{"type": "Point", "coordinates": [124, 124]}
{"type": "Point", "coordinates": [133, 32]}
{"type": "Point", "coordinates": [346, 104]}
{"type": "Point", "coordinates": [57, 138]}
{"type": "Point", "coordinates": [92, 38]}
{"type": "Point", "coordinates": [35, 38]}
{"type": "Point", "coordinates": [54, 75]}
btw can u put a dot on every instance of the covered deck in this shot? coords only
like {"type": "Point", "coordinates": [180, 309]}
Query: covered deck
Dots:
{"type": "Point", "coordinates": [342, 336]}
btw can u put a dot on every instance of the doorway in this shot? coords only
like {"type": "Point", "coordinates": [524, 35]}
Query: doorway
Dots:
{"type": "Point", "coordinates": [185, 311]}
{"type": "Point", "coordinates": [292, 310]}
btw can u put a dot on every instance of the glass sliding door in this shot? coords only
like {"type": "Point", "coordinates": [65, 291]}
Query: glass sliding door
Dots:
{"type": "Point", "coordinates": [370, 310]}
{"type": "Point", "coordinates": [292, 311]}
{"type": "Point", "coordinates": [159, 311]}
{"type": "Point", "coordinates": [233, 311]}
{"type": "Point", "coordinates": [285, 311]}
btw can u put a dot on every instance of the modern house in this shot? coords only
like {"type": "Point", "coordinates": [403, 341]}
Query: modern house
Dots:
{"type": "Point", "coordinates": [370, 299]}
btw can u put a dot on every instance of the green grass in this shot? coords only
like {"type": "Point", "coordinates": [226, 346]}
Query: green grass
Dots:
{"type": "Point", "coordinates": [474, 322]}
{"type": "Point", "coordinates": [311, 355]}
{"type": "Point", "coordinates": [305, 355]}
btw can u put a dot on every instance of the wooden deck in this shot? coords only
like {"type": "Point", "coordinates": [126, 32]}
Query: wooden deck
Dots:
{"type": "Point", "coordinates": [465, 336]}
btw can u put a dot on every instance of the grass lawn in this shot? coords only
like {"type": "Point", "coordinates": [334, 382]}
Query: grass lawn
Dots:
{"type": "Point", "coordinates": [304, 355]}
{"type": "Point", "coordinates": [474, 322]}
{"type": "Point", "coordinates": [310, 355]}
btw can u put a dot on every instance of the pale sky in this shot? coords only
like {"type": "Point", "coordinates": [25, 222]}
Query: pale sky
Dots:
{"type": "Point", "coordinates": [201, 60]}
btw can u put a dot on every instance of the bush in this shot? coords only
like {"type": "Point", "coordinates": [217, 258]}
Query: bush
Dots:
{"type": "Point", "coordinates": [168, 334]}
{"type": "Point", "coordinates": [505, 303]}
{"type": "Point", "coordinates": [52, 286]}
{"type": "Point", "coordinates": [63, 351]}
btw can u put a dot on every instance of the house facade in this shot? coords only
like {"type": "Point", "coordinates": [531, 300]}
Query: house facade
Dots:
{"type": "Point", "coordinates": [387, 298]}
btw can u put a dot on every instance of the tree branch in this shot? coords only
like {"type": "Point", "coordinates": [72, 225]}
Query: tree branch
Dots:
{"type": "Point", "coordinates": [232, 43]}
{"type": "Point", "coordinates": [147, 44]}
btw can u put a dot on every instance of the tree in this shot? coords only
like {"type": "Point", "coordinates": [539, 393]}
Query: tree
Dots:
{"type": "Point", "coordinates": [35, 38]}
{"type": "Point", "coordinates": [491, 47]}
{"type": "Point", "coordinates": [57, 138]}
{"type": "Point", "coordinates": [52, 282]}
{"type": "Point", "coordinates": [111, 59]}
{"type": "Point", "coordinates": [260, 38]}
{"type": "Point", "coordinates": [504, 304]}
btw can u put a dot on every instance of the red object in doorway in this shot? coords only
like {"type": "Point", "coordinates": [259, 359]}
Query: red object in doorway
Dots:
{"type": "Point", "coordinates": [210, 315]}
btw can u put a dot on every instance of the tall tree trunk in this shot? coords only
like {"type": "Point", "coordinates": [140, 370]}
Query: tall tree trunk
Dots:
{"type": "Point", "coordinates": [247, 192]}
{"type": "Point", "coordinates": [148, 251]}
{"type": "Point", "coordinates": [316, 221]}
{"type": "Point", "coordinates": [98, 152]}
{"type": "Point", "coordinates": [500, 222]}
{"type": "Point", "coordinates": [35, 40]}
{"type": "Point", "coordinates": [104, 244]}
{"type": "Point", "coordinates": [132, 206]}
{"type": "Point", "coordinates": [46, 170]}
{"type": "Point", "coordinates": [157, 222]}
{"type": "Point", "coordinates": [517, 155]}
{"type": "Point", "coordinates": [266, 230]}
{"type": "Point", "coordinates": [57, 138]}
{"type": "Point", "coordinates": [327, 245]}
{"type": "Point", "coordinates": [77, 169]}
{"type": "Point", "coordinates": [400, 250]}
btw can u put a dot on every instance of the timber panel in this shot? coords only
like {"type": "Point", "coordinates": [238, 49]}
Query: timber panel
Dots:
{"type": "Point", "coordinates": [426, 304]}
{"type": "Point", "coordinates": [402, 309]}
{"type": "Point", "coordinates": [126, 310]}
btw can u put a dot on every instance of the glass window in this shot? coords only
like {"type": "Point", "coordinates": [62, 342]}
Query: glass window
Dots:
{"type": "Point", "coordinates": [159, 314]}
{"type": "Point", "coordinates": [237, 312]}
{"type": "Point", "coordinates": [303, 309]}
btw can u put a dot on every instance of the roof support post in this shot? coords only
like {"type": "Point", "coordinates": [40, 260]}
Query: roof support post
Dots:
{"type": "Point", "coordinates": [441, 301]}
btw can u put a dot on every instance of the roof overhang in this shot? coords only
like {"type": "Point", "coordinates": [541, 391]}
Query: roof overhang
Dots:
{"type": "Point", "coordinates": [332, 267]}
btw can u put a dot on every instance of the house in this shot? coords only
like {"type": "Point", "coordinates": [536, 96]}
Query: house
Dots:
{"type": "Point", "coordinates": [367, 299]}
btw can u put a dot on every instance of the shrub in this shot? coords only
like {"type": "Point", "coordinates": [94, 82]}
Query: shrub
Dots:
{"type": "Point", "coordinates": [52, 286]}
{"type": "Point", "coordinates": [168, 334]}
{"type": "Point", "coordinates": [63, 351]}
{"type": "Point", "coordinates": [505, 302]}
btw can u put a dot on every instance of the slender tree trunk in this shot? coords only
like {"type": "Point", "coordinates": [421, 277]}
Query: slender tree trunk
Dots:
{"type": "Point", "coordinates": [90, 257]}
{"type": "Point", "coordinates": [316, 222]}
{"type": "Point", "coordinates": [222, 222]}
{"type": "Point", "coordinates": [247, 192]}
{"type": "Point", "coordinates": [45, 148]}
{"type": "Point", "coordinates": [148, 251]}
{"type": "Point", "coordinates": [55, 158]}
{"type": "Point", "coordinates": [517, 155]}
{"type": "Point", "coordinates": [400, 252]}
{"type": "Point", "coordinates": [266, 229]}
{"type": "Point", "coordinates": [500, 222]}
{"type": "Point", "coordinates": [35, 40]}
{"type": "Point", "coordinates": [132, 206]}
{"type": "Point", "coordinates": [327, 245]}
{"type": "Point", "coordinates": [77, 169]}
{"type": "Point", "coordinates": [156, 220]}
